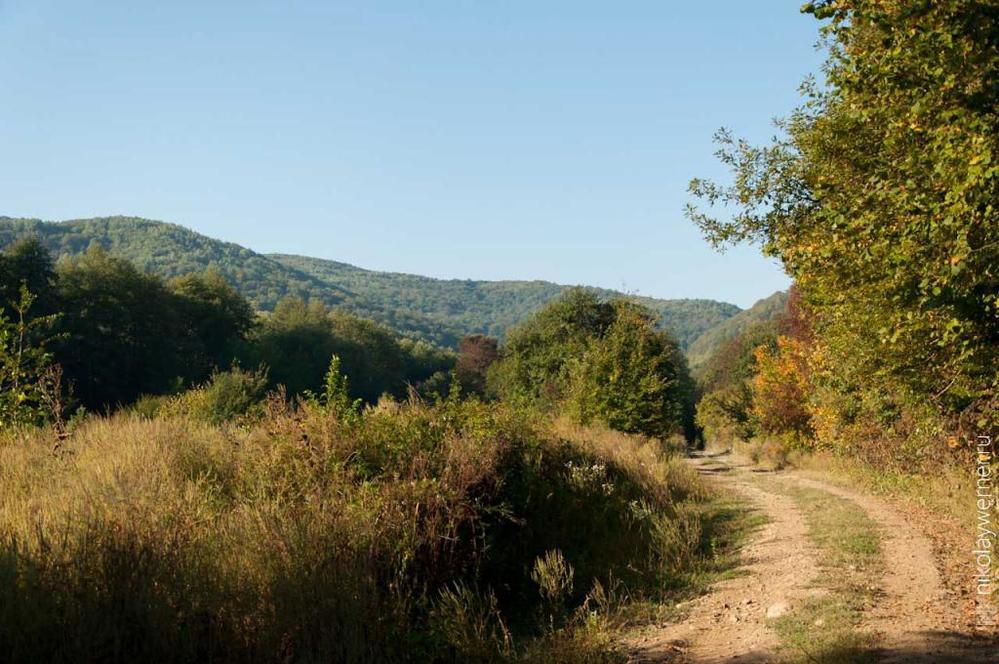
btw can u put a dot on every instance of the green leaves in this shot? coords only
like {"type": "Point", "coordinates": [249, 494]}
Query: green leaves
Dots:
{"type": "Point", "coordinates": [879, 197]}
{"type": "Point", "coordinates": [23, 363]}
{"type": "Point", "coordinates": [602, 361]}
{"type": "Point", "coordinates": [335, 398]}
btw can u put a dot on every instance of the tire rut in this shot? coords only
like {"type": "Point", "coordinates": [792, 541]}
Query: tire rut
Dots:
{"type": "Point", "coordinates": [729, 623]}
{"type": "Point", "coordinates": [912, 621]}
{"type": "Point", "coordinates": [915, 621]}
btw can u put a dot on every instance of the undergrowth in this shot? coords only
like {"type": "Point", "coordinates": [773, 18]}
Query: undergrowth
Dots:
{"type": "Point", "coordinates": [410, 532]}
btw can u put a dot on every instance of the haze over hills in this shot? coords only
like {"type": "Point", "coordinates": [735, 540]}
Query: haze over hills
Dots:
{"type": "Point", "coordinates": [438, 310]}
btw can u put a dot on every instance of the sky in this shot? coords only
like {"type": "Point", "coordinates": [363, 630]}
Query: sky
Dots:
{"type": "Point", "coordinates": [477, 139]}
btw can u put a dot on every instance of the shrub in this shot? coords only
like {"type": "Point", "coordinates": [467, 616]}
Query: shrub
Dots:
{"type": "Point", "coordinates": [409, 533]}
{"type": "Point", "coordinates": [150, 405]}
{"type": "Point", "coordinates": [227, 395]}
{"type": "Point", "coordinates": [24, 362]}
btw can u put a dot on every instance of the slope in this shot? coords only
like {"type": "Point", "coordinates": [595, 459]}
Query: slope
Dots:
{"type": "Point", "coordinates": [490, 307]}
{"type": "Point", "coordinates": [708, 342]}
{"type": "Point", "coordinates": [437, 310]}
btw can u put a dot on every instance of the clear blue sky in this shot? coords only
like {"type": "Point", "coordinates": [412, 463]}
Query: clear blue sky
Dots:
{"type": "Point", "coordinates": [476, 139]}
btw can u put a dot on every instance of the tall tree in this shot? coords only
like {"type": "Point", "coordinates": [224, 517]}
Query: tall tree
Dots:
{"type": "Point", "coordinates": [120, 331]}
{"type": "Point", "coordinates": [26, 263]}
{"type": "Point", "coordinates": [212, 317]}
{"type": "Point", "coordinates": [880, 199]}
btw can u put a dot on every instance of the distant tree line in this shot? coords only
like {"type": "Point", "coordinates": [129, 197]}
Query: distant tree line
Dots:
{"type": "Point", "coordinates": [436, 310]}
{"type": "Point", "coordinates": [117, 333]}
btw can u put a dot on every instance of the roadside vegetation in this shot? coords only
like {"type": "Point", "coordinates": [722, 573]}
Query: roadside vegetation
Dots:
{"type": "Point", "coordinates": [307, 486]}
{"type": "Point", "coordinates": [407, 532]}
{"type": "Point", "coordinates": [878, 198]}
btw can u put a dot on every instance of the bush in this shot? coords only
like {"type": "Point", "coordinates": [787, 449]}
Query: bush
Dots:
{"type": "Point", "coordinates": [226, 396]}
{"type": "Point", "coordinates": [150, 405]}
{"type": "Point", "coordinates": [403, 533]}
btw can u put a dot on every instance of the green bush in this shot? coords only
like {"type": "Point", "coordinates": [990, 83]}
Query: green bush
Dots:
{"type": "Point", "coordinates": [227, 395]}
{"type": "Point", "coordinates": [602, 361]}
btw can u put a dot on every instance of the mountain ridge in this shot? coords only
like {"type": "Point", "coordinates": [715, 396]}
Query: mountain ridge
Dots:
{"type": "Point", "coordinates": [763, 310]}
{"type": "Point", "coordinates": [437, 310]}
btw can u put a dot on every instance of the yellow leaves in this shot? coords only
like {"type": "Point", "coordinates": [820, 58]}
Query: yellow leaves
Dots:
{"type": "Point", "coordinates": [781, 387]}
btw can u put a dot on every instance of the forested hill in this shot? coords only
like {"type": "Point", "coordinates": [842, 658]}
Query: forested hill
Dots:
{"type": "Point", "coordinates": [441, 311]}
{"type": "Point", "coordinates": [491, 307]}
{"type": "Point", "coordinates": [767, 309]}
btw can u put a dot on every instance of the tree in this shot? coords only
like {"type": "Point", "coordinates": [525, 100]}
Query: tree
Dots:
{"type": "Point", "coordinates": [537, 352]}
{"type": "Point", "coordinates": [633, 378]}
{"type": "Point", "coordinates": [879, 198]}
{"type": "Point", "coordinates": [603, 361]}
{"type": "Point", "coordinates": [126, 333]}
{"type": "Point", "coordinates": [780, 390]}
{"type": "Point", "coordinates": [26, 263]}
{"type": "Point", "coordinates": [297, 341]}
{"type": "Point", "coordinates": [724, 409]}
{"type": "Point", "coordinates": [476, 353]}
{"type": "Point", "coordinates": [120, 331]}
{"type": "Point", "coordinates": [23, 364]}
{"type": "Point", "coordinates": [212, 317]}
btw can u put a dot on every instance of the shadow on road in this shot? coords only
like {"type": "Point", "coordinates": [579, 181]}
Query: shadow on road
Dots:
{"type": "Point", "coordinates": [940, 648]}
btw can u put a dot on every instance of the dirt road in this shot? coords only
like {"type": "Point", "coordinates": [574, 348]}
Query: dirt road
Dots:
{"type": "Point", "coordinates": [914, 617]}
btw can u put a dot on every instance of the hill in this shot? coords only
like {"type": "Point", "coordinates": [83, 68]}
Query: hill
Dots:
{"type": "Point", "coordinates": [490, 307]}
{"type": "Point", "coordinates": [764, 310]}
{"type": "Point", "coordinates": [438, 310]}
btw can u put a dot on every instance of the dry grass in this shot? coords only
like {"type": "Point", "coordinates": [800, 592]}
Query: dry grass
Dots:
{"type": "Point", "coordinates": [948, 490]}
{"type": "Point", "coordinates": [408, 534]}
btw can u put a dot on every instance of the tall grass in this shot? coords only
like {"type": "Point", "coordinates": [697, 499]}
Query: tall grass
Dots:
{"type": "Point", "coordinates": [454, 532]}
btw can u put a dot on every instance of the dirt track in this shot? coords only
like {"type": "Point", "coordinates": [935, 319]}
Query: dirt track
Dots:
{"type": "Point", "coordinates": [915, 618]}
